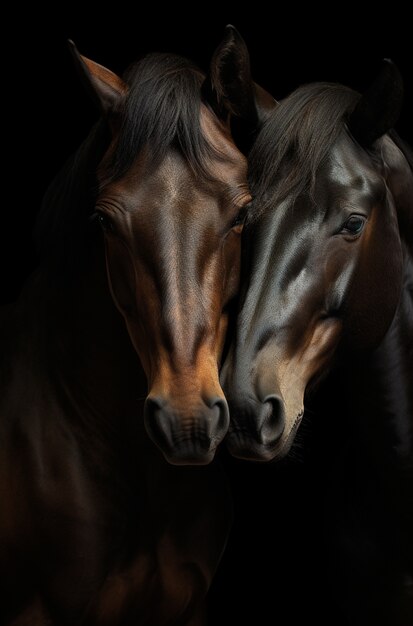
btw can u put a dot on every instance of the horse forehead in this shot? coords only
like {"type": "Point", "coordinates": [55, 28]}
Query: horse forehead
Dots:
{"type": "Point", "coordinates": [172, 182]}
{"type": "Point", "coordinates": [349, 168]}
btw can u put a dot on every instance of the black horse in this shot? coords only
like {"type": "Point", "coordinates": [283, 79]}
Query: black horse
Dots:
{"type": "Point", "coordinates": [326, 323]}
{"type": "Point", "coordinates": [114, 346]}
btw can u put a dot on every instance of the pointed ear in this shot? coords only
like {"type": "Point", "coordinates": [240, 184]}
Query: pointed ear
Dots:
{"type": "Point", "coordinates": [106, 88]}
{"type": "Point", "coordinates": [379, 107]}
{"type": "Point", "coordinates": [229, 88]}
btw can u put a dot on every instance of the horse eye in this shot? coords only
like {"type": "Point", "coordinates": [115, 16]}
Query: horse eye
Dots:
{"type": "Point", "coordinates": [354, 225]}
{"type": "Point", "coordinates": [104, 221]}
{"type": "Point", "coordinates": [241, 215]}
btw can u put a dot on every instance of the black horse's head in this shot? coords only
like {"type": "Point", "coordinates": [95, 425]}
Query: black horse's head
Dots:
{"type": "Point", "coordinates": [323, 253]}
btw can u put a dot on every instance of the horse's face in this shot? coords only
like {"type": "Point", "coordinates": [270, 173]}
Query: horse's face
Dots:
{"type": "Point", "coordinates": [172, 220]}
{"type": "Point", "coordinates": [172, 251]}
{"type": "Point", "coordinates": [325, 272]}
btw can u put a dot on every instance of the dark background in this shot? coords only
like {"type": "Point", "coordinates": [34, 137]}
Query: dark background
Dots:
{"type": "Point", "coordinates": [275, 568]}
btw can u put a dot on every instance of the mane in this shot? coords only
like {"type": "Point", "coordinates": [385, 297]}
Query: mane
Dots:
{"type": "Point", "coordinates": [160, 112]}
{"type": "Point", "coordinates": [294, 142]}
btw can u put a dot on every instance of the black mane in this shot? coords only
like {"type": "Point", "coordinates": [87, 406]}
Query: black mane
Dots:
{"type": "Point", "coordinates": [160, 112]}
{"type": "Point", "coordinates": [295, 140]}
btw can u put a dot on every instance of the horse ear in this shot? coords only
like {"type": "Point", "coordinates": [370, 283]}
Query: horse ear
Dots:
{"type": "Point", "coordinates": [107, 89]}
{"type": "Point", "coordinates": [229, 88]}
{"type": "Point", "coordinates": [379, 107]}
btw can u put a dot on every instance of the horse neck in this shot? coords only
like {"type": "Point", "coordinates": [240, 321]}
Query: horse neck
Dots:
{"type": "Point", "coordinates": [382, 402]}
{"type": "Point", "coordinates": [80, 341]}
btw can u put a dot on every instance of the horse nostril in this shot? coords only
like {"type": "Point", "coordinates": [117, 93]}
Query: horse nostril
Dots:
{"type": "Point", "coordinates": [152, 406]}
{"type": "Point", "coordinates": [157, 428]}
{"type": "Point", "coordinates": [271, 421]}
{"type": "Point", "coordinates": [219, 422]}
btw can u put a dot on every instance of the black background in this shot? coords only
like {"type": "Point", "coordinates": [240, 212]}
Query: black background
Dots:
{"type": "Point", "coordinates": [271, 572]}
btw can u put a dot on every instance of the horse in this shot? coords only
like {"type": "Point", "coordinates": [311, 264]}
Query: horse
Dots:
{"type": "Point", "coordinates": [325, 324]}
{"type": "Point", "coordinates": [112, 509]}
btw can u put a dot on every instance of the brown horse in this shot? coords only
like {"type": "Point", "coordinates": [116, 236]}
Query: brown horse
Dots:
{"type": "Point", "coordinates": [328, 292]}
{"type": "Point", "coordinates": [121, 327]}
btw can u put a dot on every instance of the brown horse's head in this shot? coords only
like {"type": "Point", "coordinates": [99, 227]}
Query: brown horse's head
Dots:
{"type": "Point", "coordinates": [323, 266]}
{"type": "Point", "coordinates": [172, 195]}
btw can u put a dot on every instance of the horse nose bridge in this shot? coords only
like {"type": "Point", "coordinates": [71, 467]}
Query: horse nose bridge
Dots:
{"type": "Point", "coordinates": [190, 391]}
{"type": "Point", "coordinates": [187, 332]}
{"type": "Point", "coordinates": [237, 371]}
{"type": "Point", "coordinates": [266, 382]}
{"type": "Point", "coordinates": [189, 310]}
{"type": "Point", "coordinates": [188, 372]}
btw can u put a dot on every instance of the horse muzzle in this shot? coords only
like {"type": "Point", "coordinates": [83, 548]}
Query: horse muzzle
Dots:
{"type": "Point", "coordinates": [187, 435]}
{"type": "Point", "coordinates": [257, 428]}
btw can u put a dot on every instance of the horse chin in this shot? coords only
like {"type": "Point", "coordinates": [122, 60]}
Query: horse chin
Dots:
{"type": "Point", "coordinates": [243, 446]}
{"type": "Point", "coordinates": [183, 448]}
{"type": "Point", "coordinates": [189, 456]}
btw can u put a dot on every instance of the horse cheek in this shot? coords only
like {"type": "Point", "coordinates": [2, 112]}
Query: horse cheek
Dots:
{"type": "Point", "coordinates": [377, 282]}
{"type": "Point", "coordinates": [121, 277]}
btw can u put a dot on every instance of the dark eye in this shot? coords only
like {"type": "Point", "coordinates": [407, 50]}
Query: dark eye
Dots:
{"type": "Point", "coordinates": [104, 221]}
{"type": "Point", "coordinates": [241, 215]}
{"type": "Point", "coordinates": [354, 224]}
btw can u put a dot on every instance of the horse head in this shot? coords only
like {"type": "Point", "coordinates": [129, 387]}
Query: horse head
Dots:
{"type": "Point", "coordinates": [323, 253]}
{"type": "Point", "coordinates": [172, 196]}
